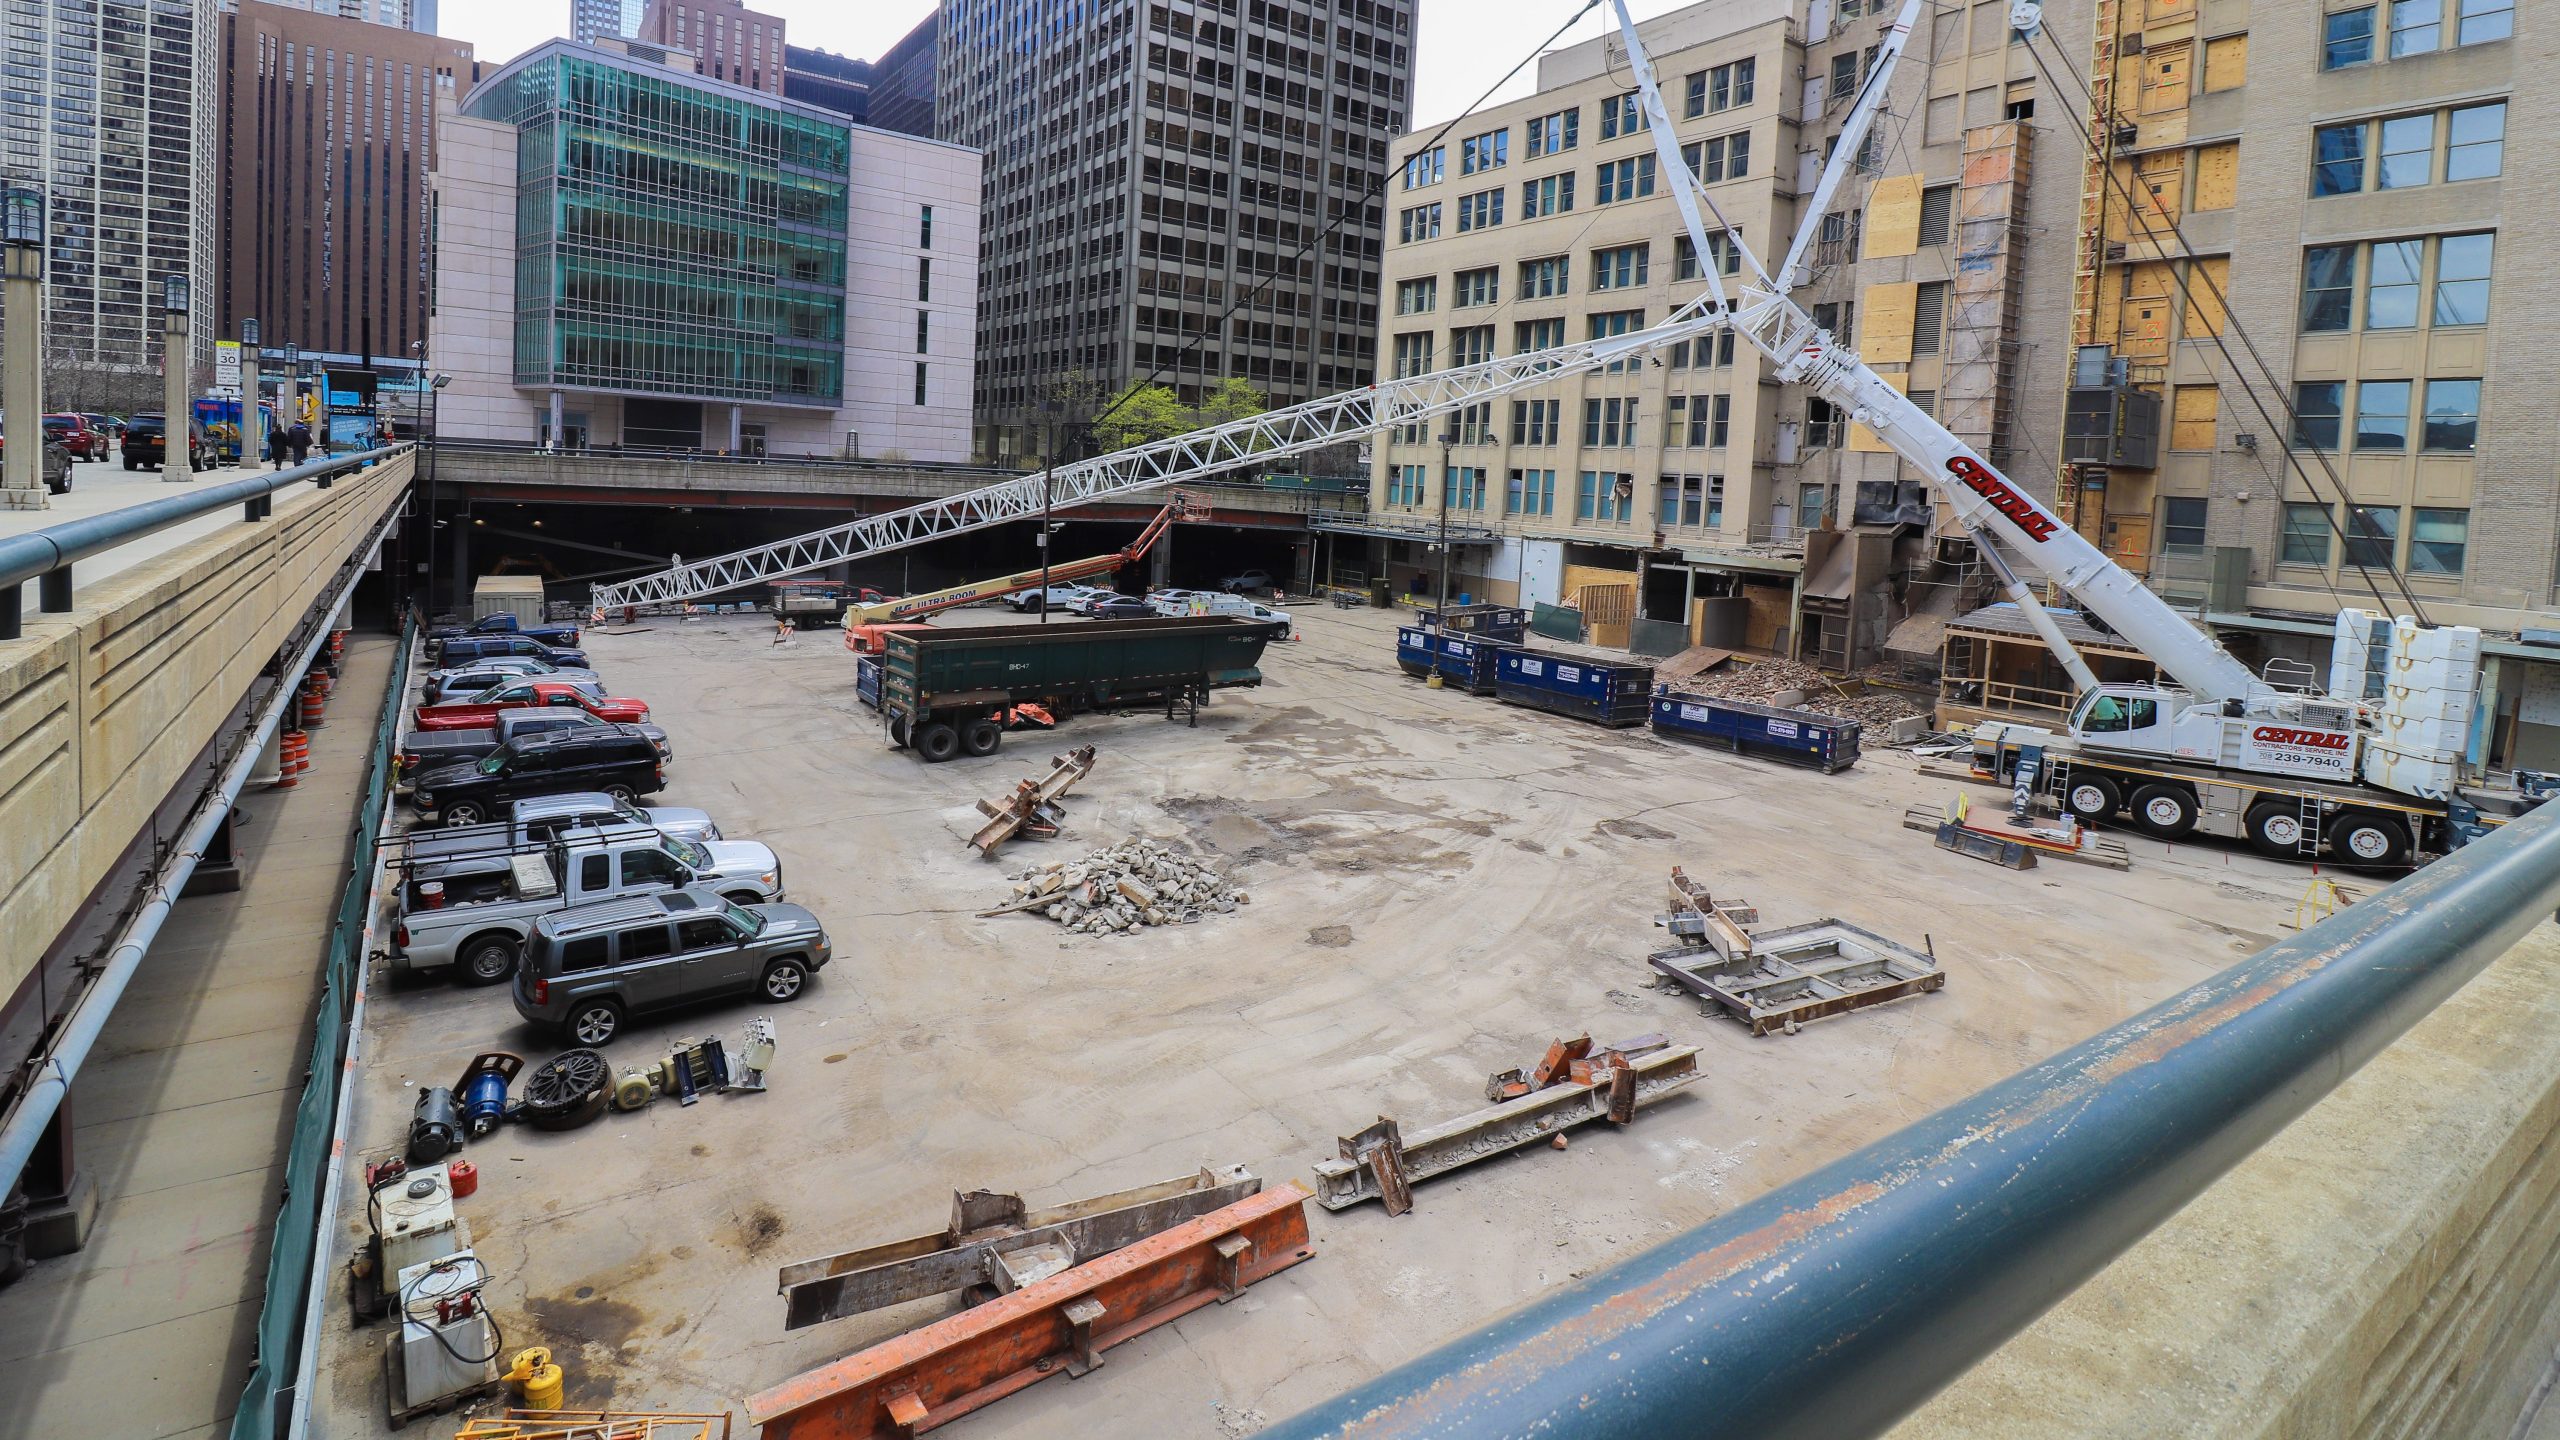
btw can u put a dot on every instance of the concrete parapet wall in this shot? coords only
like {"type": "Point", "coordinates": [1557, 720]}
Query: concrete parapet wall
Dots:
{"type": "Point", "coordinates": [2385, 1267]}
{"type": "Point", "coordinates": [103, 709]}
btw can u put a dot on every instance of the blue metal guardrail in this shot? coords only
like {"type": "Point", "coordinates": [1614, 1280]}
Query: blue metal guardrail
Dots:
{"type": "Point", "coordinates": [46, 556]}
{"type": "Point", "coordinates": [1833, 1306]}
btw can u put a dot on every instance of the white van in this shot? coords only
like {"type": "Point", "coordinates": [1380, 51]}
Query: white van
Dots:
{"type": "Point", "coordinates": [1203, 602]}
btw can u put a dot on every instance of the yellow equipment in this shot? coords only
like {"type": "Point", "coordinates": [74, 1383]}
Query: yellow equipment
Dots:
{"type": "Point", "coordinates": [540, 1382]}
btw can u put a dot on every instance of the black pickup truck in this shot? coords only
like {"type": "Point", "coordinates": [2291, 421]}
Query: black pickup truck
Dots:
{"type": "Point", "coordinates": [424, 749]}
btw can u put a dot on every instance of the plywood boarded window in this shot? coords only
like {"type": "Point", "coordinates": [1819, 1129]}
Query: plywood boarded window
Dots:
{"type": "Point", "coordinates": [2226, 63]}
{"type": "Point", "coordinates": [1884, 323]}
{"type": "Point", "coordinates": [2157, 184]}
{"type": "Point", "coordinates": [2164, 78]}
{"type": "Point", "coordinates": [1893, 217]}
{"type": "Point", "coordinates": [2193, 410]}
{"type": "Point", "coordinates": [2208, 285]}
{"type": "Point", "coordinates": [2218, 176]}
{"type": "Point", "coordinates": [2142, 322]}
{"type": "Point", "coordinates": [2163, 12]}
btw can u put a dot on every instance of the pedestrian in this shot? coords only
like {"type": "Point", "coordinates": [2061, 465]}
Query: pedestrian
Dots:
{"type": "Point", "coordinates": [301, 441]}
{"type": "Point", "coordinates": [279, 443]}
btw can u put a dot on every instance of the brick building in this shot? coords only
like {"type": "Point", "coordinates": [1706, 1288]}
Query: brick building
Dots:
{"type": "Point", "coordinates": [727, 40]}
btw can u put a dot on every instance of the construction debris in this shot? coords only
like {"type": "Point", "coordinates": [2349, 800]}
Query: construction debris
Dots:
{"type": "Point", "coordinates": [1961, 829]}
{"type": "Point", "coordinates": [1780, 979]}
{"type": "Point", "coordinates": [1134, 884]}
{"type": "Point", "coordinates": [1787, 684]}
{"type": "Point", "coordinates": [519, 1424]}
{"type": "Point", "coordinates": [1573, 1083]}
{"type": "Point", "coordinates": [1033, 808]}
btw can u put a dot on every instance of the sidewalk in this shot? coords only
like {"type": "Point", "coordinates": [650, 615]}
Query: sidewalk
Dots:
{"type": "Point", "coordinates": [184, 1112]}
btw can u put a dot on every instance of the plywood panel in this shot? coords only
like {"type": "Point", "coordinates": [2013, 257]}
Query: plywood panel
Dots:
{"type": "Point", "coordinates": [2218, 176]}
{"type": "Point", "coordinates": [2226, 63]}
{"type": "Point", "coordinates": [1893, 217]}
{"type": "Point", "coordinates": [2208, 283]}
{"type": "Point", "coordinates": [2193, 411]}
{"type": "Point", "coordinates": [1884, 321]}
{"type": "Point", "coordinates": [2164, 78]}
{"type": "Point", "coordinates": [2159, 186]}
{"type": "Point", "coordinates": [2142, 325]}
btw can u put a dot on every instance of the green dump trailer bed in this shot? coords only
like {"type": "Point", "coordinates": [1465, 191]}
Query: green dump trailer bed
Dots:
{"type": "Point", "coordinates": [946, 692]}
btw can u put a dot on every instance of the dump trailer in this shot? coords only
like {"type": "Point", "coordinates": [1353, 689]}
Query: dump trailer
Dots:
{"type": "Point", "coordinates": [945, 692]}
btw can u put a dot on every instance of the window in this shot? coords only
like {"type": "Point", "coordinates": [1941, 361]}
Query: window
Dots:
{"type": "Point", "coordinates": [1419, 222]}
{"type": "Point", "coordinates": [2382, 415]}
{"type": "Point", "coordinates": [1413, 355]}
{"type": "Point", "coordinates": [704, 932]}
{"type": "Point", "coordinates": [1621, 267]}
{"type": "Point", "coordinates": [1404, 484]}
{"type": "Point", "coordinates": [1542, 278]}
{"type": "Point", "coordinates": [1554, 134]}
{"type": "Point", "coordinates": [595, 872]}
{"type": "Point", "coordinates": [1484, 152]}
{"type": "Point", "coordinates": [1480, 211]}
{"type": "Point", "coordinates": [2476, 142]}
{"type": "Point", "coordinates": [1534, 422]}
{"type": "Point", "coordinates": [2453, 416]}
{"type": "Point", "coordinates": [1685, 256]}
{"type": "Point", "coordinates": [1620, 116]}
{"type": "Point", "coordinates": [1726, 157]}
{"type": "Point", "coordinates": [1844, 75]}
{"type": "Point", "coordinates": [2306, 535]}
{"type": "Point", "coordinates": [2462, 279]}
{"type": "Point", "coordinates": [2373, 532]}
{"type": "Point", "coordinates": [1530, 335]}
{"type": "Point", "coordinates": [920, 381]}
{"type": "Point", "coordinates": [1684, 500]}
{"type": "Point", "coordinates": [1463, 487]}
{"type": "Point", "coordinates": [1825, 424]}
{"type": "Point", "coordinates": [2437, 539]}
{"type": "Point", "coordinates": [1928, 317]}
{"type": "Point", "coordinates": [2417, 26]}
{"type": "Point", "coordinates": [2317, 405]}
{"type": "Point", "coordinates": [1425, 167]}
{"type": "Point", "coordinates": [2337, 159]}
{"type": "Point", "coordinates": [2485, 20]}
{"type": "Point", "coordinates": [1609, 423]}
{"type": "Point", "coordinates": [1837, 316]}
{"type": "Point", "coordinates": [1937, 214]}
{"type": "Point", "coordinates": [924, 331]}
{"type": "Point", "coordinates": [1606, 323]}
{"type": "Point", "coordinates": [1418, 297]}
{"type": "Point", "coordinates": [1475, 287]}
{"type": "Point", "coordinates": [1698, 422]}
{"type": "Point", "coordinates": [1531, 492]}
{"type": "Point", "coordinates": [2182, 525]}
{"type": "Point", "coordinates": [1605, 496]}
{"type": "Point", "coordinates": [2346, 38]}
{"type": "Point", "coordinates": [1551, 196]}
{"type": "Point", "coordinates": [2392, 269]}
{"type": "Point", "coordinates": [1472, 345]}
{"type": "Point", "coordinates": [1703, 352]}
{"type": "Point", "coordinates": [1694, 97]}
{"type": "Point", "coordinates": [1722, 88]}
{"type": "Point", "coordinates": [924, 277]}
{"type": "Point", "coordinates": [2328, 288]}
{"type": "Point", "coordinates": [1472, 424]}
{"type": "Point", "coordinates": [1628, 179]}
{"type": "Point", "coordinates": [2408, 152]}
{"type": "Point", "coordinates": [648, 867]}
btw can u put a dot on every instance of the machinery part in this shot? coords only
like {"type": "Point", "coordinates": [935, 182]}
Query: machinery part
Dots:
{"type": "Point", "coordinates": [2016, 849]}
{"type": "Point", "coordinates": [482, 1090]}
{"type": "Point", "coordinates": [2278, 829]}
{"type": "Point", "coordinates": [755, 1054]}
{"type": "Point", "coordinates": [987, 1224]}
{"type": "Point", "coordinates": [898, 736]}
{"type": "Point", "coordinates": [565, 1091]}
{"type": "Point", "coordinates": [1801, 973]}
{"type": "Point", "coordinates": [1059, 1325]}
{"type": "Point", "coordinates": [542, 1383]}
{"type": "Point", "coordinates": [435, 1126]}
{"type": "Point", "coordinates": [2093, 799]}
{"type": "Point", "coordinates": [2367, 839]}
{"type": "Point", "coordinates": [982, 737]}
{"type": "Point", "coordinates": [448, 1342]}
{"type": "Point", "coordinates": [634, 1090]}
{"type": "Point", "coordinates": [1033, 805]}
{"type": "Point", "coordinates": [937, 742]}
{"type": "Point", "coordinates": [2167, 811]}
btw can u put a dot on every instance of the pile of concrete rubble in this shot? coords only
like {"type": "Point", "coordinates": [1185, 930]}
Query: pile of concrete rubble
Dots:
{"type": "Point", "coordinates": [1785, 683]}
{"type": "Point", "coordinates": [1134, 884]}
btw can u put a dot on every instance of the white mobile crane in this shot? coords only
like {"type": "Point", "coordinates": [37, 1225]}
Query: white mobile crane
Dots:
{"type": "Point", "coordinates": [2217, 749]}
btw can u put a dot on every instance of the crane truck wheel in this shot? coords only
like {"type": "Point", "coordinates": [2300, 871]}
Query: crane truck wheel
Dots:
{"type": "Point", "coordinates": [2092, 798]}
{"type": "Point", "coordinates": [982, 737]}
{"type": "Point", "coordinates": [2276, 828]}
{"type": "Point", "coordinates": [937, 742]}
{"type": "Point", "coordinates": [2165, 811]}
{"type": "Point", "coordinates": [2362, 837]}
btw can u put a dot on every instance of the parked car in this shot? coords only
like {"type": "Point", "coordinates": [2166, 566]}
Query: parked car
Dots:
{"type": "Point", "coordinates": [1094, 595]}
{"type": "Point", "coordinates": [1060, 597]}
{"type": "Point", "coordinates": [1123, 607]}
{"type": "Point", "coordinates": [428, 749]}
{"type": "Point", "coordinates": [1172, 602]}
{"type": "Point", "coordinates": [504, 623]}
{"type": "Point", "coordinates": [76, 436]}
{"type": "Point", "coordinates": [545, 818]}
{"type": "Point", "coordinates": [476, 915]}
{"type": "Point", "coordinates": [587, 969]}
{"type": "Point", "coordinates": [1246, 581]}
{"type": "Point", "coordinates": [471, 649]}
{"type": "Point", "coordinates": [106, 425]}
{"type": "Point", "coordinates": [56, 467]}
{"type": "Point", "coordinates": [619, 761]}
{"type": "Point", "coordinates": [1202, 603]}
{"type": "Point", "coordinates": [479, 712]}
{"type": "Point", "coordinates": [447, 685]}
{"type": "Point", "coordinates": [146, 442]}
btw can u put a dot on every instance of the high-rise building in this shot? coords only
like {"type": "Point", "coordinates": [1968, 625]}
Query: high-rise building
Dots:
{"type": "Point", "coordinates": [1147, 167]}
{"type": "Point", "coordinates": [323, 220]}
{"type": "Point", "coordinates": [828, 81]}
{"type": "Point", "coordinates": [400, 14]}
{"type": "Point", "coordinates": [727, 40]}
{"type": "Point", "coordinates": [903, 80]}
{"type": "Point", "coordinates": [632, 255]}
{"type": "Point", "coordinates": [103, 105]}
{"type": "Point", "coordinates": [422, 16]}
{"type": "Point", "coordinates": [2335, 190]}
{"type": "Point", "coordinates": [592, 20]}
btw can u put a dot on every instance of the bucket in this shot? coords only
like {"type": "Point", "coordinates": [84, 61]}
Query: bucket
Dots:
{"type": "Point", "coordinates": [431, 894]}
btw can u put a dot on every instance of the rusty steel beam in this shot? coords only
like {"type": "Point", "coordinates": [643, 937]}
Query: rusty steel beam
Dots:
{"type": "Point", "coordinates": [1382, 1163]}
{"type": "Point", "coordinates": [1836, 1304]}
{"type": "Point", "coordinates": [1060, 1325]}
{"type": "Point", "coordinates": [985, 1227]}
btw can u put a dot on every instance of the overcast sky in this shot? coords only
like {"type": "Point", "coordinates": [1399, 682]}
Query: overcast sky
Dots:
{"type": "Point", "coordinates": [1465, 45]}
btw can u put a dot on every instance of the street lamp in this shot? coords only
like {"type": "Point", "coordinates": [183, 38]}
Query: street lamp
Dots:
{"type": "Point", "coordinates": [177, 431]}
{"type": "Point", "coordinates": [21, 369]}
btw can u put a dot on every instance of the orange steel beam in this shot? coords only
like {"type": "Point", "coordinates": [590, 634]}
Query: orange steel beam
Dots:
{"type": "Point", "coordinates": [925, 1378]}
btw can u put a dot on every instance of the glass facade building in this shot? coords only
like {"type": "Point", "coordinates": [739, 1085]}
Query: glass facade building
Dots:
{"type": "Point", "coordinates": [673, 237]}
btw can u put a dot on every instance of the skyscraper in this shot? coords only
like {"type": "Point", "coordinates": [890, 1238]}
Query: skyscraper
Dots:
{"type": "Point", "coordinates": [591, 20]}
{"type": "Point", "coordinates": [828, 81]}
{"type": "Point", "coordinates": [903, 80]}
{"type": "Point", "coordinates": [1146, 168]}
{"type": "Point", "coordinates": [727, 40]}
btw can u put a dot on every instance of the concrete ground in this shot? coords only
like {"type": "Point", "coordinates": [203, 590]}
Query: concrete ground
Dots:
{"type": "Point", "coordinates": [183, 1115]}
{"type": "Point", "coordinates": [1440, 885]}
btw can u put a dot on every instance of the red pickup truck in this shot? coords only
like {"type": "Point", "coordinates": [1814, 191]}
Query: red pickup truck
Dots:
{"type": "Point", "coordinates": [480, 711]}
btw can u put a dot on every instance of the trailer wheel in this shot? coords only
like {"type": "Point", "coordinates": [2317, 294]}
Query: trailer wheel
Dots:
{"type": "Point", "coordinates": [898, 738]}
{"type": "Point", "coordinates": [2276, 829]}
{"type": "Point", "coordinates": [937, 742]}
{"type": "Point", "coordinates": [982, 737]}
{"type": "Point", "coordinates": [2364, 838]}
{"type": "Point", "coordinates": [2092, 798]}
{"type": "Point", "coordinates": [2165, 811]}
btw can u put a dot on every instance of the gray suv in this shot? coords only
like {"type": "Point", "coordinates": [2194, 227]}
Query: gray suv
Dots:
{"type": "Point", "coordinates": [587, 968]}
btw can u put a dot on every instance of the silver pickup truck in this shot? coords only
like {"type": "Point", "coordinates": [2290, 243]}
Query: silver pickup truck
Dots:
{"type": "Point", "coordinates": [475, 916]}
{"type": "Point", "coordinates": [537, 820]}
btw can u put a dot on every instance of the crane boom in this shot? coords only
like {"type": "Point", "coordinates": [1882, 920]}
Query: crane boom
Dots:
{"type": "Point", "coordinates": [916, 607]}
{"type": "Point", "coordinates": [1274, 433]}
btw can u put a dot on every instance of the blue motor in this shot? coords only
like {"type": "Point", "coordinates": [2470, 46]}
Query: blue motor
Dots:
{"type": "Point", "coordinates": [482, 1090]}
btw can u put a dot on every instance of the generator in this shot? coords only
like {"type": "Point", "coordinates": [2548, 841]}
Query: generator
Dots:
{"type": "Point", "coordinates": [447, 1350]}
{"type": "Point", "coordinates": [411, 1212]}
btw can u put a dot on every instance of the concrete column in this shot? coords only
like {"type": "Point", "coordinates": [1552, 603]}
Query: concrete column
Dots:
{"type": "Point", "coordinates": [458, 545]}
{"type": "Point", "coordinates": [737, 419]}
{"type": "Point", "coordinates": [1160, 560]}
{"type": "Point", "coordinates": [557, 420]}
{"type": "Point", "coordinates": [22, 383]}
{"type": "Point", "coordinates": [253, 430]}
{"type": "Point", "coordinates": [174, 466]}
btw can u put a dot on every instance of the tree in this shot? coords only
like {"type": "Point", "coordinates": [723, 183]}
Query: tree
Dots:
{"type": "Point", "coordinates": [1234, 399]}
{"type": "Point", "coordinates": [1139, 415]}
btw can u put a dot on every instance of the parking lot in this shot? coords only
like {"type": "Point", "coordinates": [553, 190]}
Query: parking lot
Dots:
{"type": "Point", "coordinates": [1439, 886]}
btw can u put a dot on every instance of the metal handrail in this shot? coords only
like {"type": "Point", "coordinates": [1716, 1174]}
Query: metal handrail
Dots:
{"type": "Point", "coordinates": [1835, 1305]}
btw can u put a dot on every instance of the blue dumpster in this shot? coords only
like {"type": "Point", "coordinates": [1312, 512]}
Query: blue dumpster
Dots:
{"type": "Point", "coordinates": [1798, 737]}
{"type": "Point", "coordinates": [1460, 660]}
{"type": "Point", "coordinates": [1612, 695]}
{"type": "Point", "coordinates": [1486, 622]}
